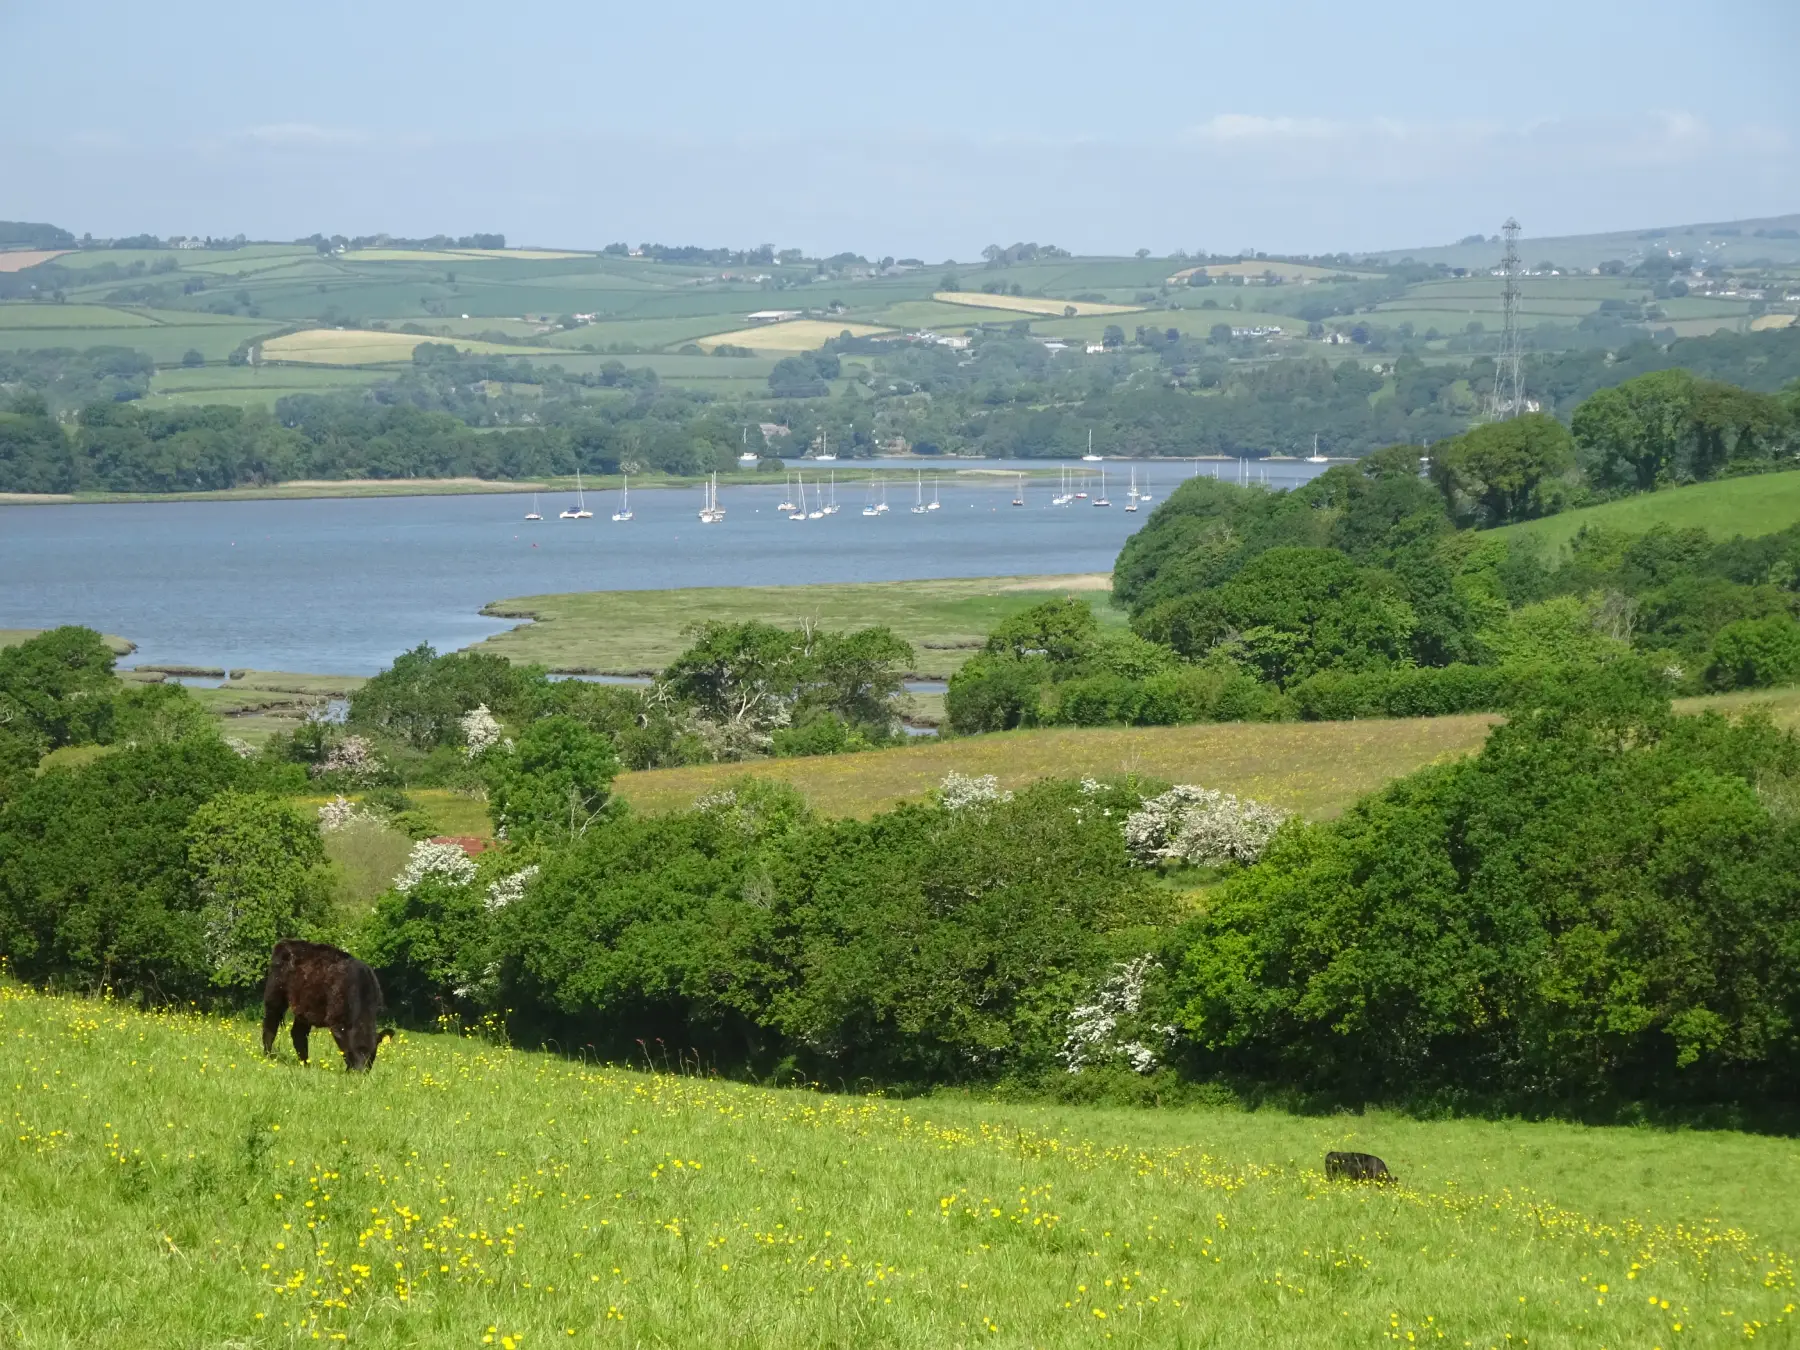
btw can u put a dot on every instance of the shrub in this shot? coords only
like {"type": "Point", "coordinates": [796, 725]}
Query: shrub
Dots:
{"type": "Point", "coordinates": [1200, 827]}
{"type": "Point", "coordinates": [1755, 654]}
{"type": "Point", "coordinates": [1598, 904]}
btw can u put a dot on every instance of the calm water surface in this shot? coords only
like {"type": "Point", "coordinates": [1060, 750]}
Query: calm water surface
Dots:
{"type": "Point", "coordinates": [344, 584]}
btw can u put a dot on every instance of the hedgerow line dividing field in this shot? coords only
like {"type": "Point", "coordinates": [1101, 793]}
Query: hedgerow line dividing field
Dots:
{"type": "Point", "coordinates": [168, 1185]}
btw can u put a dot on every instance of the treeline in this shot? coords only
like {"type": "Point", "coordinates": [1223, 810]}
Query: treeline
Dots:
{"type": "Point", "coordinates": [1597, 912]}
{"type": "Point", "coordinates": [1358, 595]}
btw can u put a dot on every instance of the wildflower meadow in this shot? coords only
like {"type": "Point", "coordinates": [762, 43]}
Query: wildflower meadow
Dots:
{"type": "Point", "coordinates": [166, 1185]}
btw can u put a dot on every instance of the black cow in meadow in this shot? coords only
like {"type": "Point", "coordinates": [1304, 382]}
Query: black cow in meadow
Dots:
{"type": "Point", "coordinates": [1356, 1167]}
{"type": "Point", "coordinates": [325, 987]}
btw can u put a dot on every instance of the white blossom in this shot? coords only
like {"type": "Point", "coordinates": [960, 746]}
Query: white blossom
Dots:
{"type": "Point", "coordinates": [1201, 827]}
{"type": "Point", "coordinates": [353, 757]}
{"type": "Point", "coordinates": [1106, 1029]}
{"type": "Point", "coordinates": [959, 791]}
{"type": "Point", "coordinates": [340, 812]}
{"type": "Point", "coordinates": [240, 747]}
{"type": "Point", "coordinates": [508, 889]}
{"type": "Point", "coordinates": [429, 859]}
{"type": "Point", "coordinates": [480, 730]}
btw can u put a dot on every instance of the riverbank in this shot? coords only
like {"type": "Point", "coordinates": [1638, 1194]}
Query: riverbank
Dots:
{"type": "Point", "coordinates": [854, 471]}
{"type": "Point", "coordinates": [626, 633]}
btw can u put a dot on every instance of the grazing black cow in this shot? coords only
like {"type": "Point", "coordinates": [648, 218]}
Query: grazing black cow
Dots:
{"type": "Point", "coordinates": [1356, 1167]}
{"type": "Point", "coordinates": [326, 988]}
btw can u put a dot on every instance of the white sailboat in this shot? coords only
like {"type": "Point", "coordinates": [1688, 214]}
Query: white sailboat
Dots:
{"type": "Point", "coordinates": [1102, 499]}
{"type": "Point", "coordinates": [825, 446]}
{"type": "Point", "coordinates": [711, 513]}
{"type": "Point", "coordinates": [1080, 493]}
{"type": "Point", "coordinates": [1019, 492]}
{"type": "Point", "coordinates": [1131, 496]}
{"type": "Point", "coordinates": [869, 499]}
{"type": "Point", "coordinates": [1315, 457]}
{"type": "Point", "coordinates": [934, 504]}
{"type": "Point", "coordinates": [624, 511]}
{"type": "Point", "coordinates": [799, 511]}
{"type": "Point", "coordinates": [786, 504]}
{"type": "Point", "coordinates": [918, 507]}
{"type": "Point", "coordinates": [831, 506]}
{"type": "Point", "coordinates": [533, 513]}
{"type": "Point", "coordinates": [580, 512]}
{"type": "Point", "coordinates": [1090, 456]}
{"type": "Point", "coordinates": [881, 507]}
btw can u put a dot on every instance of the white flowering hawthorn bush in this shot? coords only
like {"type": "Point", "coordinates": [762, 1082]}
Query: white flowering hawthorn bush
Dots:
{"type": "Point", "coordinates": [480, 729]}
{"type": "Point", "coordinates": [1112, 1027]}
{"type": "Point", "coordinates": [1201, 827]}
{"type": "Point", "coordinates": [959, 791]}
{"type": "Point", "coordinates": [433, 859]}
{"type": "Point", "coordinates": [340, 813]}
{"type": "Point", "coordinates": [509, 889]}
{"type": "Point", "coordinates": [353, 757]}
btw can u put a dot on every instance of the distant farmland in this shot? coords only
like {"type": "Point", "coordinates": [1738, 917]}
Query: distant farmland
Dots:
{"type": "Point", "coordinates": [359, 347]}
{"type": "Point", "coordinates": [796, 335]}
{"type": "Point", "coordinates": [1031, 304]}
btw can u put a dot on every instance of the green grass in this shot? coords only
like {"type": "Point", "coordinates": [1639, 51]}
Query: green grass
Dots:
{"type": "Point", "coordinates": [366, 856]}
{"type": "Point", "coordinates": [1760, 504]}
{"type": "Point", "coordinates": [1315, 768]}
{"type": "Point", "coordinates": [640, 632]}
{"type": "Point", "coordinates": [167, 1185]}
{"type": "Point", "coordinates": [120, 646]}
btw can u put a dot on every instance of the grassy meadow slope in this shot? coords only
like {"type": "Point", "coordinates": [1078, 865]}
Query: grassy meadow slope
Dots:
{"type": "Point", "coordinates": [1760, 504]}
{"type": "Point", "coordinates": [167, 1185]}
{"type": "Point", "coordinates": [640, 632]}
{"type": "Point", "coordinates": [1315, 768]}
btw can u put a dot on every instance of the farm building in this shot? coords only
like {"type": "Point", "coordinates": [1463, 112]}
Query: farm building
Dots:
{"type": "Point", "coordinates": [773, 315]}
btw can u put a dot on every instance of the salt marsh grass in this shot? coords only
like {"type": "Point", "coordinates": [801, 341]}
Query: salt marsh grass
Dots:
{"type": "Point", "coordinates": [166, 1185]}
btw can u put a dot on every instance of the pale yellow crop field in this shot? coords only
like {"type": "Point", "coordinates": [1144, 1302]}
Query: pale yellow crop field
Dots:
{"type": "Point", "coordinates": [359, 346]}
{"type": "Point", "coordinates": [796, 335]}
{"type": "Point", "coordinates": [1763, 322]}
{"type": "Point", "coordinates": [18, 259]}
{"type": "Point", "coordinates": [1031, 304]}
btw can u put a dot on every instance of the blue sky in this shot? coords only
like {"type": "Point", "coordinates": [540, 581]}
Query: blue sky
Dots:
{"type": "Point", "coordinates": [924, 129]}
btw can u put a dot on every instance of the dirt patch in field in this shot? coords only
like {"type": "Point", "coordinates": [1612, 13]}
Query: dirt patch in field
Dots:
{"type": "Point", "coordinates": [18, 259]}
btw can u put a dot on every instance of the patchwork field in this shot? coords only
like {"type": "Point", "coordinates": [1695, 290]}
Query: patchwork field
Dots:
{"type": "Point", "coordinates": [1031, 304]}
{"type": "Point", "coordinates": [167, 1185]}
{"type": "Point", "coordinates": [353, 347]}
{"type": "Point", "coordinates": [640, 632]}
{"type": "Point", "coordinates": [795, 335]}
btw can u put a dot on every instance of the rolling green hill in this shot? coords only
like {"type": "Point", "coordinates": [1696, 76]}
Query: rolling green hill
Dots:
{"type": "Point", "coordinates": [1756, 505]}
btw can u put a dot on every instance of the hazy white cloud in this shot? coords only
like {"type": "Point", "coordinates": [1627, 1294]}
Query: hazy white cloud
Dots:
{"type": "Point", "coordinates": [302, 135]}
{"type": "Point", "coordinates": [1253, 129]}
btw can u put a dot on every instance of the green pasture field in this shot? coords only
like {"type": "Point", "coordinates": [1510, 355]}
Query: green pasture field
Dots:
{"type": "Point", "coordinates": [36, 315]}
{"type": "Point", "coordinates": [1759, 504]}
{"type": "Point", "coordinates": [168, 1185]}
{"type": "Point", "coordinates": [1315, 768]}
{"type": "Point", "coordinates": [164, 344]}
{"type": "Point", "coordinates": [640, 632]}
{"type": "Point", "coordinates": [252, 386]}
{"type": "Point", "coordinates": [1703, 327]}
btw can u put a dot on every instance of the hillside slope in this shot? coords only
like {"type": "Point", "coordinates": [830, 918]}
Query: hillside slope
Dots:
{"type": "Point", "coordinates": [1760, 504]}
{"type": "Point", "coordinates": [168, 1185]}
